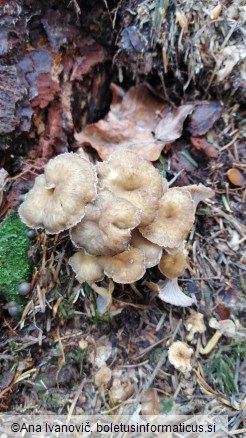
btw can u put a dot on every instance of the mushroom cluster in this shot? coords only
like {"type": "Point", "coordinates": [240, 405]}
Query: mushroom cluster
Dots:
{"type": "Point", "coordinates": [121, 216]}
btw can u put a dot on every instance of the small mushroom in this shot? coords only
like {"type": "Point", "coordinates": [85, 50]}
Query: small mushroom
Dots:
{"type": "Point", "coordinates": [179, 356]}
{"type": "Point", "coordinates": [57, 200]}
{"type": "Point", "coordinates": [170, 292]}
{"type": "Point", "coordinates": [127, 267]}
{"type": "Point", "coordinates": [152, 252]}
{"type": "Point", "coordinates": [131, 177]}
{"type": "Point", "coordinates": [24, 288]}
{"type": "Point", "coordinates": [225, 327]}
{"type": "Point", "coordinates": [103, 377]}
{"type": "Point", "coordinates": [87, 268]}
{"type": "Point", "coordinates": [106, 227]}
{"type": "Point", "coordinates": [13, 308]}
{"type": "Point", "coordinates": [172, 266]}
{"type": "Point", "coordinates": [199, 193]}
{"type": "Point", "coordinates": [194, 324]}
{"type": "Point", "coordinates": [236, 177]}
{"type": "Point", "coordinates": [174, 219]}
{"type": "Point", "coordinates": [31, 234]}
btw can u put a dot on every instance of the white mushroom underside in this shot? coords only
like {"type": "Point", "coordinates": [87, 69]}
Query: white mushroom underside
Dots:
{"type": "Point", "coordinates": [170, 292]}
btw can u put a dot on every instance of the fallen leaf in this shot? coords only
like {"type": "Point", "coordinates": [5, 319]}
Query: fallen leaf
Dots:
{"type": "Point", "coordinates": [119, 393]}
{"type": "Point", "coordinates": [222, 311]}
{"type": "Point", "coordinates": [203, 118]}
{"type": "Point", "coordinates": [171, 126]}
{"type": "Point", "coordinates": [138, 120]}
{"type": "Point", "coordinates": [129, 125]}
{"type": "Point", "coordinates": [150, 403]}
{"type": "Point", "coordinates": [6, 379]}
{"type": "Point", "coordinates": [131, 37]}
{"type": "Point", "coordinates": [201, 144]}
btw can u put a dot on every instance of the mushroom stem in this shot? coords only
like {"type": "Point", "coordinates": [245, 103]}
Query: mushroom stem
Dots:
{"type": "Point", "coordinates": [100, 290]}
{"type": "Point", "coordinates": [211, 343]}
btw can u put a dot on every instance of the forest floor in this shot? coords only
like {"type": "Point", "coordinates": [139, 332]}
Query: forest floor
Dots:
{"type": "Point", "coordinates": [62, 355]}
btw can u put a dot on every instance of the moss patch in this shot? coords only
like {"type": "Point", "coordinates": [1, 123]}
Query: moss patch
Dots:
{"type": "Point", "coordinates": [14, 265]}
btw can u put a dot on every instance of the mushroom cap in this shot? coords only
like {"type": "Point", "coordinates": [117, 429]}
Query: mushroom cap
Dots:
{"type": "Point", "coordinates": [173, 266]}
{"type": "Point", "coordinates": [127, 267]}
{"type": "Point", "coordinates": [174, 219]}
{"type": "Point", "coordinates": [31, 210]}
{"type": "Point", "coordinates": [106, 227]}
{"type": "Point", "coordinates": [226, 327]}
{"type": "Point", "coordinates": [152, 252]}
{"type": "Point", "coordinates": [58, 198]}
{"type": "Point", "coordinates": [194, 324]}
{"type": "Point", "coordinates": [199, 193]}
{"type": "Point", "coordinates": [131, 177]}
{"type": "Point", "coordinates": [176, 249]}
{"type": "Point", "coordinates": [179, 356]}
{"type": "Point", "coordinates": [87, 268]}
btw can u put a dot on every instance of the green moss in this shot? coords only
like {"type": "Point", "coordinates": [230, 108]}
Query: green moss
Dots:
{"type": "Point", "coordinates": [14, 265]}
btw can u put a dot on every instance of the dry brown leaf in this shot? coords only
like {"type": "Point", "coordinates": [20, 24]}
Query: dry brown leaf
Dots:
{"type": "Point", "coordinates": [171, 126]}
{"type": "Point", "coordinates": [203, 118]}
{"type": "Point", "coordinates": [139, 121]}
{"type": "Point", "coordinates": [119, 393]}
{"type": "Point", "coordinates": [129, 125]}
{"type": "Point", "coordinates": [201, 144]}
{"type": "Point", "coordinates": [6, 379]}
{"type": "Point", "coordinates": [150, 403]}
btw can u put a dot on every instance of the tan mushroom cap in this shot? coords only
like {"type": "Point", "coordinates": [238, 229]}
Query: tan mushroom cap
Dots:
{"type": "Point", "coordinates": [57, 200]}
{"type": "Point", "coordinates": [126, 267]}
{"type": "Point", "coordinates": [31, 210]}
{"type": "Point", "coordinates": [174, 219]}
{"type": "Point", "coordinates": [152, 252]}
{"type": "Point", "coordinates": [199, 193]}
{"type": "Point", "coordinates": [179, 356]}
{"type": "Point", "coordinates": [87, 268]}
{"type": "Point", "coordinates": [226, 327]}
{"type": "Point", "coordinates": [173, 266]}
{"type": "Point", "coordinates": [194, 324]}
{"type": "Point", "coordinates": [176, 249]}
{"type": "Point", "coordinates": [106, 227]}
{"type": "Point", "coordinates": [131, 177]}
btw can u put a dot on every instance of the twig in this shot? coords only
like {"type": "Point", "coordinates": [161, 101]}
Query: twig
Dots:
{"type": "Point", "coordinates": [237, 432]}
{"type": "Point", "coordinates": [150, 380]}
{"type": "Point", "coordinates": [148, 349]}
{"type": "Point", "coordinates": [77, 394]}
{"type": "Point", "coordinates": [140, 364]}
{"type": "Point", "coordinates": [239, 227]}
{"type": "Point", "coordinates": [230, 143]}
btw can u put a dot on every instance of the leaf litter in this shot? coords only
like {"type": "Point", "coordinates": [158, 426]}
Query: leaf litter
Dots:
{"type": "Point", "coordinates": [139, 121]}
